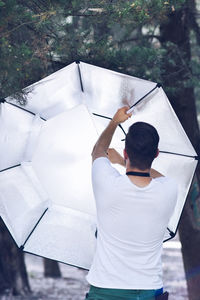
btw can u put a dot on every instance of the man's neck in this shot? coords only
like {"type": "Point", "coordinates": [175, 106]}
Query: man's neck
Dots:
{"type": "Point", "coordinates": [132, 169]}
{"type": "Point", "coordinates": [138, 180]}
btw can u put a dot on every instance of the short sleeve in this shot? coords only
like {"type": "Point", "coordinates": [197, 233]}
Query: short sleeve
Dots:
{"type": "Point", "coordinates": [102, 171]}
{"type": "Point", "coordinates": [103, 179]}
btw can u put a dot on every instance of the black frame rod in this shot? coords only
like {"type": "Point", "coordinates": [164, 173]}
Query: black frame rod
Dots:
{"type": "Point", "coordinates": [22, 247]}
{"type": "Point", "coordinates": [4, 100]}
{"type": "Point", "coordinates": [80, 77]}
{"type": "Point", "coordinates": [157, 86]}
{"type": "Point", "coordinates": [171, 232]}
{"type": "Point", "coordinates": [167, 152]}
{"type": "Point", "coordinates": [108, 118]}
{"type": "Point", "coordinates": [180, 154]}
{"type": "Point", "coordinates": [97, 115]}
{"type": "Point", "coordinates": [10, 168]}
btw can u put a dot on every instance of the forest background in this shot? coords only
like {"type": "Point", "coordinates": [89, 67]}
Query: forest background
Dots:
{"type": "Point", "coordinates": [152, 39]}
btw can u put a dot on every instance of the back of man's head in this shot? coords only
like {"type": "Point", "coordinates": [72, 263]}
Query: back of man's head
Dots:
{"type": "Point", "coordinates": [141, 145]}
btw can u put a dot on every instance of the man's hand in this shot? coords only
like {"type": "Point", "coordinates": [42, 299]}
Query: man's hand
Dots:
{"type": "Point", "coordinates": [115, 157]}
{"type": "Point", "coordinates": [105, 138]}
{"type": "Point", "coordinates": [155, 174]}
{"type": "Point", "coordinates": [121, 115]}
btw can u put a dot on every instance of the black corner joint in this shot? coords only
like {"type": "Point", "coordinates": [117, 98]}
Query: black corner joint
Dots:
{"type": "Point", "coordinates": [77, 62]}
{"type": "Point", "coordinates": [22, 247]}
{"type": "Point", "coordinates": [159, 85]}
{"type": "Point", "coordinates": [172, 234]}
{"type": "Point", "coordinates": [196, 157]}
{"type": "Point", "coordinates": [2, 100]}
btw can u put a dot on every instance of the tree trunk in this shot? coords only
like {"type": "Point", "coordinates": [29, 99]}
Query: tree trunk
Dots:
{"type": "Point", "coordinates": [175, 38]}
{"type": "Point", "coordinates": [13, 276]}
{"type": "Point", "coordinates": [51, 268]}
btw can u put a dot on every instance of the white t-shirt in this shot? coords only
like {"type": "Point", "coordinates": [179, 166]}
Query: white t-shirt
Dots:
{"type": "Point", "coordinates": [131, 225]}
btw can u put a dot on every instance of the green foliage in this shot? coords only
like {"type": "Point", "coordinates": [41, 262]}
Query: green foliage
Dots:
{"type": "Point", "coordinates": [23, 47]}
{"type": "Point", "coordinates": [39, 37]}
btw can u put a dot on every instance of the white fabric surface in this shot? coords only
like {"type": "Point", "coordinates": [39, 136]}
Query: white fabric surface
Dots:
{"type": "Point", "coordinates": [55, 93]}
{"type": "Point", "coordinates": [62, 162]}
{"type": "Point", "coordinates": [16, 126]}
{"type": "Point", "coordinates": [104, 91]}
{"type": "Point", "coordinates": [22, 201]}
{"type": "Point", "coordinates": [59, 152]}
{"type": "Point", "coordinates": [131, 226]}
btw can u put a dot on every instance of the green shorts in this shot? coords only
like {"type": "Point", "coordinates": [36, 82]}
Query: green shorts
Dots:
{"type": "Point", "coordinates": [96, 293]}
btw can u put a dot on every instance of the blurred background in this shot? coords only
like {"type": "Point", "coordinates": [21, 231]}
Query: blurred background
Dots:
{"type": "Point", "coordinates": [156, 40]}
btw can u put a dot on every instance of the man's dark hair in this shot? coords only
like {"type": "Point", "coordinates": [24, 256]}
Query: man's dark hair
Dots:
{"type": "Point", "coordinates": [141, 145]}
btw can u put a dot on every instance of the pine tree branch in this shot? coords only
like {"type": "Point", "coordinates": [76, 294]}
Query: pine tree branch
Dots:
{"type": "Point", "coordinates": [16, 28]}
{"type": "Point", "coordinates": [193, 20]}
{"type": "Point", "coordinates": [151, 36]}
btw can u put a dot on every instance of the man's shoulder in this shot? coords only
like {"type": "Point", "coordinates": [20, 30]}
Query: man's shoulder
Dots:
{"type": "Point", "coordinates": [102, 169]}
{"type": "Point", "coordinates": [166, 179]}
{"type": "Point", "coordinates": [101, 163]}
{"type": "Point", "coordinates": [167, 182]}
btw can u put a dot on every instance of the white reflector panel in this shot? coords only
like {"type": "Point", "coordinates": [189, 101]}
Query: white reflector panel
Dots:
{"type": "Point", "coordinates": [77, 102]}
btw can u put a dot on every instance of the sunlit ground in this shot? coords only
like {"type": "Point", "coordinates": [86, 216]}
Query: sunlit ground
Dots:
{"type": "Point", "coordinates": [174, 277]}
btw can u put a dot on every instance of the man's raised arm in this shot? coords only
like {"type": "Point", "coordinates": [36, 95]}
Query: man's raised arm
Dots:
{"type": "Point", "coordinates": [103, 143]}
